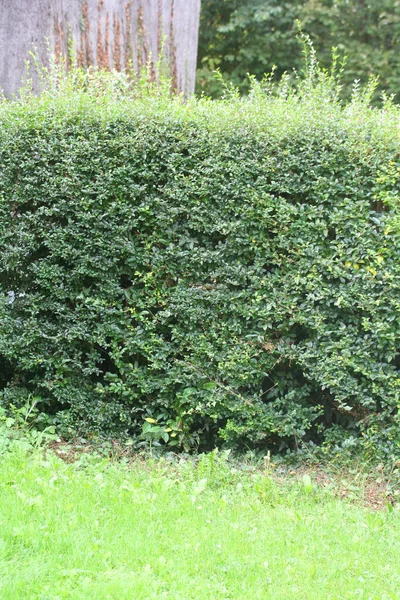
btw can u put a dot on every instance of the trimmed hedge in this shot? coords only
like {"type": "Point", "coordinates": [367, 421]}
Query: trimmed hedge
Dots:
{"type": "Point", "coordinates": [229, 270]}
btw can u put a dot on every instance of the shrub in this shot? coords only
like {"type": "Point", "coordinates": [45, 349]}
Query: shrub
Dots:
{"type": "Point", "coordinates": [228, 271]}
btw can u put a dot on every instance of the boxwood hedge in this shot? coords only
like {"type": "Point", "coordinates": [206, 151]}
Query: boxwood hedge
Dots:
{"type": "Point", "coordinates": [228, 271]}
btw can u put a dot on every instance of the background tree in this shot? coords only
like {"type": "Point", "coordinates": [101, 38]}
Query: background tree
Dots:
{"type": "Point", "coordinates": [251, 36]}
{"type": "Point", "coordinates": [238, 37]}
{"type": "Point", "coordinates": [366, 31]}
{"type": "Point", "coordinates": [108, 33]}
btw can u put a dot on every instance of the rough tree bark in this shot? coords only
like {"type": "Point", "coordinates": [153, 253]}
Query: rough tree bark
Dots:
{"type": "Point", "coordinates": [107, 33]}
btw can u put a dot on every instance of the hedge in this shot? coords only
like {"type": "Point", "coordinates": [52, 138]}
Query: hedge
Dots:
{"type": "Point", "coordinates": [228, 271]}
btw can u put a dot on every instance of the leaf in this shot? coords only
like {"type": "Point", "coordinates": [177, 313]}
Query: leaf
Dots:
{"type": "Point", "coordinates": [307, 483]}
{"type": "Point", "coordinates": [188, 391]}
{"type": "Point", "coordinates": [200, 486]}
{"type": "Point", "coordinates": [210, 385]}
{"type": "Point", "coordinates": [389, 507]}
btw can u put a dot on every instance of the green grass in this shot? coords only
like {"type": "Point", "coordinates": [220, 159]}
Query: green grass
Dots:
{"type": "Point", "coordinates": [97, 530]}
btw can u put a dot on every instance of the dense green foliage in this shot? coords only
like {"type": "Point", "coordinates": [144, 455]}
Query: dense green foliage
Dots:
{"type": "Point", "coordinates": [251, 36]}
{"type": "Point", "coordinates": [227, 271]}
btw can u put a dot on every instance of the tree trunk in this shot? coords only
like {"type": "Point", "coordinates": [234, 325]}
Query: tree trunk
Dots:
{"type": "Point", "coordinates": [112, 34]}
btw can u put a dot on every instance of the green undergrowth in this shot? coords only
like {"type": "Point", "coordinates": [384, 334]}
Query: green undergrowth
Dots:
{"type": "Point", "coordinates": [199, 274]}
{"type": "Point", "coordinates": [181, 529]}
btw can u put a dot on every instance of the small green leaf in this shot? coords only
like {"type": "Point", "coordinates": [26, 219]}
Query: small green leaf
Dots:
{"type": "Point", "coordinates": [210, 385]}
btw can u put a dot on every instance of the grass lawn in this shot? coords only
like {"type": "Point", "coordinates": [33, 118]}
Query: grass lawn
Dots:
{"type": "Point", "coordinates": [99, 530]}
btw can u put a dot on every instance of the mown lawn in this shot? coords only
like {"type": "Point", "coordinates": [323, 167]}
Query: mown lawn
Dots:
{"type": "Point", "coordinates": [98, 530]}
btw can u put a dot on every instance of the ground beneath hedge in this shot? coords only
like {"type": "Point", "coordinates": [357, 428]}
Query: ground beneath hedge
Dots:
{"type": "Point", "coordinates": [87, 528]}
{"type": "Point", "coordinates": [373, 487]}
